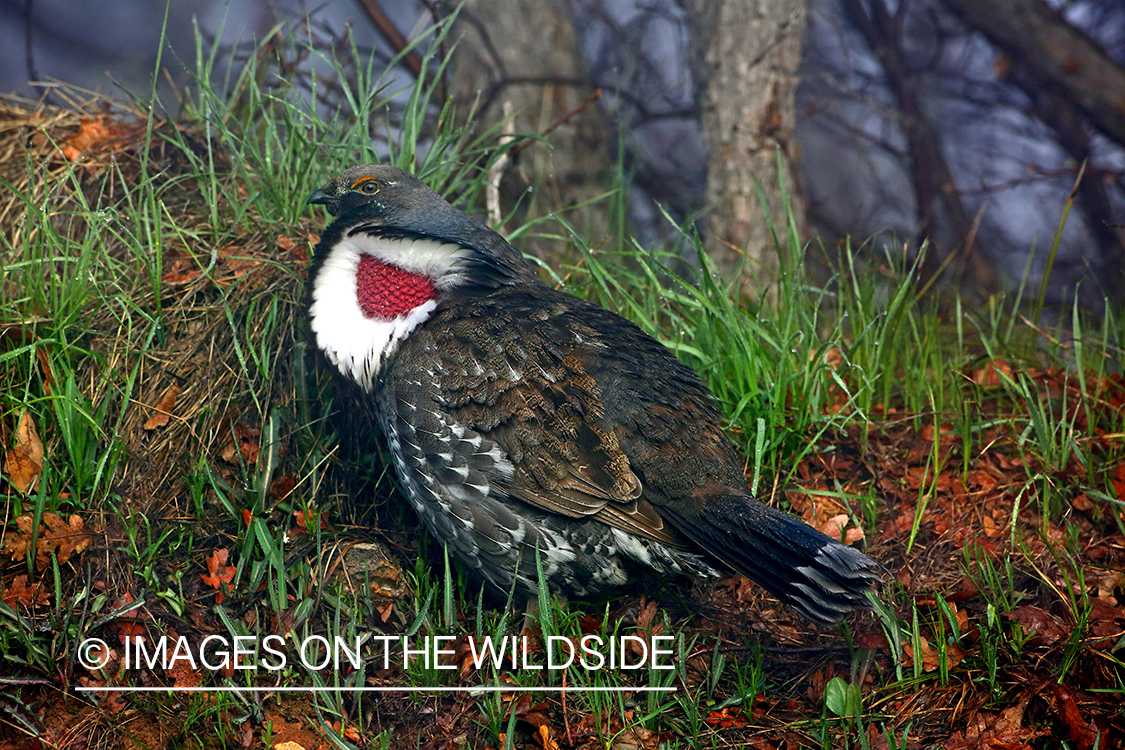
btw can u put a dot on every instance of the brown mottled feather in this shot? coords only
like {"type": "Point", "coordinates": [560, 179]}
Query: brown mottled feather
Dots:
{"type": "Point", "coordinates": [536, 398]}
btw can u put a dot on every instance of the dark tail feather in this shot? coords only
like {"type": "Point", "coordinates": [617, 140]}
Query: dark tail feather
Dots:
{"type": "Point", "coordinates": [821, 578]}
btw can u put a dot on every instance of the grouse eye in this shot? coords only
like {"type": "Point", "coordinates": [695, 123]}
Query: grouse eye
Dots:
{"type": "Point", "coordinates": [369, 187]}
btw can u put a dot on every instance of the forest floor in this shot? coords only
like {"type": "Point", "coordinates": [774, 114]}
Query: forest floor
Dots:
{"type": "Point", "coordinates": [171, 473]}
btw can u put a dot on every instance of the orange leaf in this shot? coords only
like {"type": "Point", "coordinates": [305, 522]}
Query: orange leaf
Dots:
{"type": "Point", "coordinates": [730, 716]}
{"type": "Point", "coordinates": [19, 593]}
{"type": "Point", "coordinates": [244, 443]}
{"type": "Point", "coordinates": [163, 411]}
{"type": "Point", "coordinates": [931, 657]}
{"type": "Point", "coordinates": [128, 625]}
{"type": "Point", "coordinates": [93, 132]}
{"type": "Point", "coordinates": [55, 535]}
{"type": "Point", "coordinates": [217, 569]}
{"type": "Point", "coordinates": [89, 132]}
{"type": "Point", "coordinates": [128, 628]}
{"type": "Point", "coordinates": [218, 572]}
{"type": "Point", "coordinates": [989, 375]}
{"type": "Point", "coordinates": [545, 738]}
{"type": "Point", "coordinates": [24, 462]}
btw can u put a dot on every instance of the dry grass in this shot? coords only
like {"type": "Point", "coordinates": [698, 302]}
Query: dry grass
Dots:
{"type": "Point", "coordinates": [213, 298]}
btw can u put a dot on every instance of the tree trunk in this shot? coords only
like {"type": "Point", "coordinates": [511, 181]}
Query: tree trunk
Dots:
{"type": "Point", "coordinates": [520, 60]}
{"type": "Point", "coordinates": [745, 56]}
{"type": "Point", "coordinates": [942, 217]}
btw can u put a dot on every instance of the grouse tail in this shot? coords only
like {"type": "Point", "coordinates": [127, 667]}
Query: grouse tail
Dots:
{"type": "Point", "coordinates": [818, 576]}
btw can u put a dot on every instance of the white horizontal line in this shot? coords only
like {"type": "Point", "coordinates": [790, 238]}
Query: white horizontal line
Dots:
{"type": "Point", "coordinates": [389, 689]}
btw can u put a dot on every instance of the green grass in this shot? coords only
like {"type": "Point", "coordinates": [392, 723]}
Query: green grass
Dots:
{"type": "Point", "coordinates": [856, 366]}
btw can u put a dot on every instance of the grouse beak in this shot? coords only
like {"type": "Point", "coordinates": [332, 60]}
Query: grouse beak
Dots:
{"type": "Point", "coordinates": [319, 197]}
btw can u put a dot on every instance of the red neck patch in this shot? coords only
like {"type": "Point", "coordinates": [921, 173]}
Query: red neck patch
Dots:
{"type": "Point", "coordinates": [385, 291]}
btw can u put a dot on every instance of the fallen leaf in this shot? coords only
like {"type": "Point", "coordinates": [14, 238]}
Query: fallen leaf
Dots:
{"type": "Point", "coordinates": [545, 738]}
{"type": "Point", "coordinates": [56, 535]}
{"type": "Point", "coordinates": [110, 700]}
{"type": "Point", "coordinates": [966, 591]}
{"type": "Point", "coordinates": [183, 676]}
{"type": "Point", "coordinates": [731, 716]}
{"type": "Point", "coordinates": [24, 462]}
{"type": "Point", "coordinates": [291, 735]}
{"type": "Point", "coordinates": [1042, 624]}
{"type": "Point", "coordinates": [1081, 732]}
{"type": "Point", "coordinates": [20, 594]}
{"type": "Point", "coordinates": [1108, 583]}
{"type": "Point", "coordinates": [181, 271]}
{"type": "Point", "coordinates": [989, 375]}
{"type": "Point", "coordinates": [836, 527]}
{"type": "Point", "coordinates": [162, 412]}
{"type": "Point", "coordinates": [282, 486]}
{"type": "Point", "coordinates": [246, 734]}
{"type": "Point", "coordinates": [832, 356]}
{"type": "Point", "coordinates": [90, 131]}
{"type": "Point", "coordinates": [309, 519]}
{"type": "Point", "coordinates": [932, 657]}
{"type": "Point", "coordinates": [636, 738]}
{"type": "Point", "coordinates": [218, 572]}
{"type": "Point", "coordinates": [243, 445]}
{"type": "Point", "coordinates": [646, 614]}
{"type": "Point", "coordinates": [991, 530]}
{"type": "Point", "coordinates": [981, 478]}
{"type": "Point", "coordinates": [128, 626]}
{"type": "Point", "coordinates": [986, 731]}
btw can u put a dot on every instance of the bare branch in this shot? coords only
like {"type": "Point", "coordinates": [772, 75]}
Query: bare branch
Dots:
{"type": "Point", "coordinates": [391, 33]}
{"type": "Point", "coordinates": [1056, 53]}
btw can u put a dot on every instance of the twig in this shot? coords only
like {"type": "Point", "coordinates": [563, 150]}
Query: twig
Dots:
{"type": "Point", "coordinates": [496, 171]}
{"type": "Point", "coordinates": [391, 33]}
{"type": "Point", "coordinates": [566, 715]}
{"type": "Point", "coordinates": [29, 51]}
{"type": "Point", "coordinates": [589, 100]}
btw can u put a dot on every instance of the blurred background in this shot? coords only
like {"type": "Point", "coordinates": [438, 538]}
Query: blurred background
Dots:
{"type": "Point", "coordinates": [966, 123]}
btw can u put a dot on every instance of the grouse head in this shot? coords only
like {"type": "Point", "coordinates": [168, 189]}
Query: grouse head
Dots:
{"type": "Point", "coordinates": [396, 250]}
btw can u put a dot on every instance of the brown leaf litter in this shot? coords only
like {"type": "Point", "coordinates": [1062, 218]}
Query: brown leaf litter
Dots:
{"type": "Point", "coordinates": [62, 537]}
{"type": "Point", "coordinates": [23, 463]}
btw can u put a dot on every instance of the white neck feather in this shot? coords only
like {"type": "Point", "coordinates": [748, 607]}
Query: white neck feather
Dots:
{"type": "Point", "coordinates": [357, 345]}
